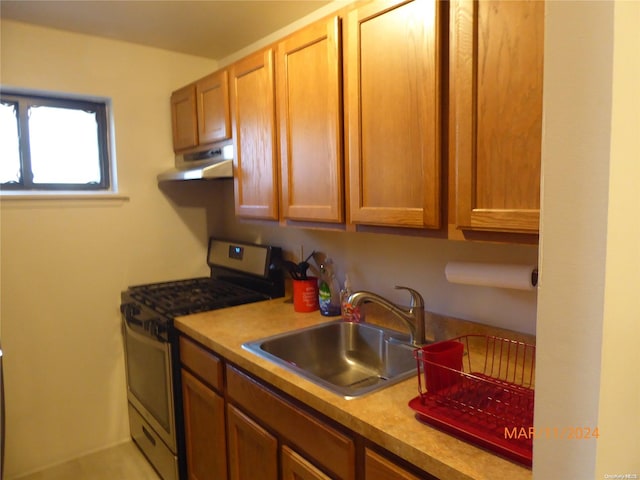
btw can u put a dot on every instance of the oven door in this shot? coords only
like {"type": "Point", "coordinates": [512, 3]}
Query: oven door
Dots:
{"type": "Point", "coordinates": [149, 379]}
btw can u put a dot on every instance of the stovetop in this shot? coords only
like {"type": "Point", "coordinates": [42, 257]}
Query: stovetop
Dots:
{"type": "Point", "coordinates": [184, 297]}
{"type": "Point", "coordinates": [240, 273]}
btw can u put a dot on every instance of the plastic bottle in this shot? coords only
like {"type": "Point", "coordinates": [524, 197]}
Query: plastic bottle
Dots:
{"type": "Point", "coordinates": [346, 309]}
{"type": "Point", "coordinates": [328, 290]}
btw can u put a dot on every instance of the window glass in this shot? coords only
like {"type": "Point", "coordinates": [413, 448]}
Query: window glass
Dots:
{"type": "Point", "coordinates": [53, 143]}
{"type": "Point", "coordinates": [64, 145]}
{"type": "Point", "coordinates": [9, 144]}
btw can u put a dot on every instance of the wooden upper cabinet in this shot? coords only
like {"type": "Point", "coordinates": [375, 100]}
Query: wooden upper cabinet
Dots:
{"type": "Point", "coordinates": [214, 119]}
{"type": "Point", "coordinates": [393, 113]}
{"type": "Point", "coordinates": [496, 80]}
{"type": "Point", "coordinates": [254, 136]}
{"type": "Point", "coordinates": [308, 79]}
{"type": "Point", "coordinates": [183, 118]}
{"type": "Point", "coordinates": [200, 112]}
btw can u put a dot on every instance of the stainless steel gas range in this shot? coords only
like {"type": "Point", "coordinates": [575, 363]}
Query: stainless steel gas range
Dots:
{"type": "Point", "coordinates": [240, 273]}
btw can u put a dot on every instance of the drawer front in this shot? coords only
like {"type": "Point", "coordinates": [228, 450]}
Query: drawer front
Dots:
{"type": "Point", "coordinates": [326, 446]}
{"type": "Point", "coordinates": [202, 362]}
{"type": "Point", "coordinates": [163, 459]}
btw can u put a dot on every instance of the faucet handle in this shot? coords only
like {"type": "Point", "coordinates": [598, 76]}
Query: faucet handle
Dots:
{"type": "Point", "coordinates": [416, 298]}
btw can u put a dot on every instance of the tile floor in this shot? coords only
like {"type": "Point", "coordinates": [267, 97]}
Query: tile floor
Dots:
{"type": "Point", "coordinates": [122, 462]}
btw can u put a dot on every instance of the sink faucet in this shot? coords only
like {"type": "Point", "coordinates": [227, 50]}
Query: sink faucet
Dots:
{"type": "Point", "coordinates": [412, 316]}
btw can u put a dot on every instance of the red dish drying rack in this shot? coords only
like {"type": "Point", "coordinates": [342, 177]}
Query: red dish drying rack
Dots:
{"type": "Point", "coordinates": [490, 402]}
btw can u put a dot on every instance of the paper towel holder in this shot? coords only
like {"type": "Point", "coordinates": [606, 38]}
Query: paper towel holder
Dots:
{"type": "Point", "coordinates": [497, 275]}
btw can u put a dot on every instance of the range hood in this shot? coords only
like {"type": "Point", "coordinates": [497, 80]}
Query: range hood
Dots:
{"type": "Point", "coordinates": [208, 164]}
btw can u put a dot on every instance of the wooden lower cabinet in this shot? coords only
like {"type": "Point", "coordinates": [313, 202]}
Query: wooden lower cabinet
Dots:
{"type": "Point", "coordinates": [239, 428]}
{"type": "Point", "coordinates": [204, 430]}
{"type": "Point", "coordinates": [330, 448]}
{"type": "Point", "coordinates": [377, 467]}
{"type": "Point", "coordinates": [310, 448]}
{"type": "Point", "coordinates": [253, 452]}
{"type": "Point", "coordinates": [296, 467]}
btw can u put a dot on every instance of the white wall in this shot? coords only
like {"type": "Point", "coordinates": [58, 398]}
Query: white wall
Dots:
{"type": "Point", "coordinates": [619, 398]}
{"type": "Point", "coordinates": [378, 262]}
{"type": "Point", "coordinates": [64, 262]}
{"type": "Point", "coordinates": [587, 327]}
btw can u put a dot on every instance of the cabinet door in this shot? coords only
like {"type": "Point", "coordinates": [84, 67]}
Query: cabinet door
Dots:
{"type": "Point", "coordinates": [377, 467]}
{"type": "Point", "coordinates": [253, 452]}
{"type": "Point", "coordinates": [214, 121]}
{"type": "Point", "coordinates": [295, 467]}
{"type": "Point", "coordinates": [393, 110]}
{"type": "Point", "coordinates": [204, 430]}
{"type": "Point", "coordinates": [334, 451]}
{"type": "Point", "coordinates": [309, 85]}
{"type": "Point", "coordinates": [496, 78]}
{"type": "Point", "coordinates": [183, 118]}
{"type": "Point", "coordinates": [254, 136]}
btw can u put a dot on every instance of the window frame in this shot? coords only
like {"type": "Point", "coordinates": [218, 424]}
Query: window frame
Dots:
{"type": "Point", "coordinates": [100, 107]}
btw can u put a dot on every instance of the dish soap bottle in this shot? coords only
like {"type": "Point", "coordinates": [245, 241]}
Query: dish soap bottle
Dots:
{"type": "Point", "coordinates": [328, 290]}
{"type": "Point", "coordinates": [346, 309]}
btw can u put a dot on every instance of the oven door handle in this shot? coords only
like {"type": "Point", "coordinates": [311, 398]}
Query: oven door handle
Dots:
{"type": "Point", "coordinates": [149, 339]}
{"type": "Point", "coordinates": [152, 328]}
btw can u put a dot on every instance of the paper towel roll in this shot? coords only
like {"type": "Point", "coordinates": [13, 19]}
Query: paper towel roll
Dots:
{"type": "Point", "coordinates": [520, 277]}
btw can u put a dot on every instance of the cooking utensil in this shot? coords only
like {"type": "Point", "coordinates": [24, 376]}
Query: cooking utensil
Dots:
{"type": "Point", "coordinates": [304, 266]}
{"type": "Point", "coordinates": [292, 268]}
{"type": "Point", "coordinates": [296, 271]}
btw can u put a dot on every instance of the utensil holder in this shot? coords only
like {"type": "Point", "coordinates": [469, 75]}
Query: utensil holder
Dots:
{"type": "Point", "coordinates": [305, 295]}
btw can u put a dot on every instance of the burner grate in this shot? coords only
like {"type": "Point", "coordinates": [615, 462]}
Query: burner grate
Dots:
{"type": "Point", "coordinates": [184, 297]}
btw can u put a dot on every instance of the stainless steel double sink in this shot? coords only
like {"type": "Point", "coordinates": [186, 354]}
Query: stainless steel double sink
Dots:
{"type": "Point", "coordinates": [347, 358]}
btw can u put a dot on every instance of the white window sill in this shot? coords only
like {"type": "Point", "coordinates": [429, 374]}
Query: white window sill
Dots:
{"type": "Point", "coordinates": [61, 195]}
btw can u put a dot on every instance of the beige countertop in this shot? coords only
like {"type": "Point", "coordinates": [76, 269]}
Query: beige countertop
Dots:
{"type": "Point", "coordinates": [383, 416]}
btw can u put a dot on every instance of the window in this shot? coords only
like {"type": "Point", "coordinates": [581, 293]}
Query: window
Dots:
{"type": "Point", "coordinates": [49, 143]}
